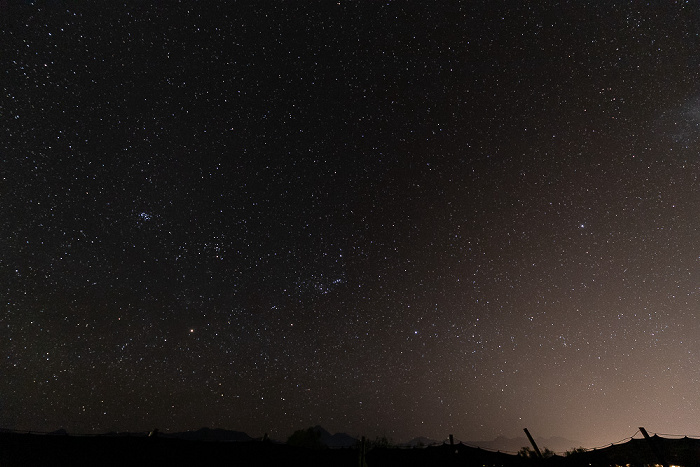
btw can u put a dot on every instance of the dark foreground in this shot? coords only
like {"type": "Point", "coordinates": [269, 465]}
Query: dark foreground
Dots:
{"type": "Point", "coordinates": [28, 450]}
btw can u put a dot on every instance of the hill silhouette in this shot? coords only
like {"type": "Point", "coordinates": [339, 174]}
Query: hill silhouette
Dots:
{"type": "Point", "coordinates": [209, 434]}
{"type": "Point", "coordinates": [337, 440]}
{"type": "Point", "coordinates": [504, 444]}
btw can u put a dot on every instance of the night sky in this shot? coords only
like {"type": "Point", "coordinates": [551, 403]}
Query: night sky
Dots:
{"type": "Point", "coordinates": [386, 218]}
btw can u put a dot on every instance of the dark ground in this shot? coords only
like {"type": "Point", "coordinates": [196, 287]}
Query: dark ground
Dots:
{"type": "Point", "coordinates": [28, 450]}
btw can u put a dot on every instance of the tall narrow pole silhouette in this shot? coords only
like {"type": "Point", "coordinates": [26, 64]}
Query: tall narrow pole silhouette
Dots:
{"type": "Point", "coordinates": [534, 445]}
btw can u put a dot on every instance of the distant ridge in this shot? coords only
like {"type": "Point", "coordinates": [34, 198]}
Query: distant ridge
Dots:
{"type": "Point", "coordinates": [501, 443]}
{"type": "Point", "coordinates": [338, 440]}
{"type": "Point", "coordinates": [419, 442]}
{"type": "Point", "coordinates": [209, 434]}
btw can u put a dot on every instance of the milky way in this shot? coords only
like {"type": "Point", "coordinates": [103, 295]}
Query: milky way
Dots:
{"type": "Point", "coordinates": [384, 218]}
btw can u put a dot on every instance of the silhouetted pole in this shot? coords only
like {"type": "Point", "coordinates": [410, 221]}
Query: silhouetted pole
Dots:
{"type": "Point", "coordinates": [654, 447]}
{"type": "Point", "coordinates": [362, 453]}
{"type": "Point", "coordinates": [534, 445]}
{"type": "Point", "coordinates": [452, 440]}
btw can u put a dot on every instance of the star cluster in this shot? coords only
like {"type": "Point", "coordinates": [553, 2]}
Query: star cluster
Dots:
{"type": "Point", "coordinates": [385, 218]}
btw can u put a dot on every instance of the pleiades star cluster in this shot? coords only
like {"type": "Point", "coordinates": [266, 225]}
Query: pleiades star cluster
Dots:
{"type": "Point", "coordinates": [388, 218]}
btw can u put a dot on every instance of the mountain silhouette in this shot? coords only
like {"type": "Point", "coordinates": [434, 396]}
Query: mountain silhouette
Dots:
{"type": "Point", "coordinates": [338, 440]}
{"type": "Point", "coordinates": [209, 434]}
{"type": "Point", "coordinates": [501, 443]}
{"type": "Point", "coordinates": [420, 441]}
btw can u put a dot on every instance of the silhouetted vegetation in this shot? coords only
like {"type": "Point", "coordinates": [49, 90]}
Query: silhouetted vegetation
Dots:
{"type": "Point", "coordinates": [379, 442]}
{"type": "Point", "coordinates": [529, 453]}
